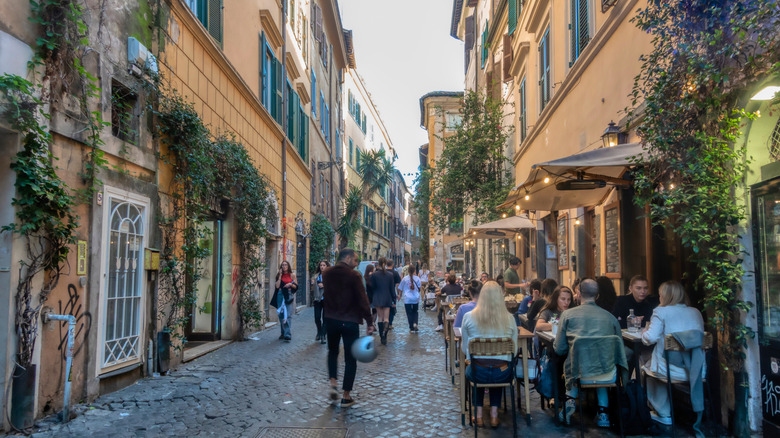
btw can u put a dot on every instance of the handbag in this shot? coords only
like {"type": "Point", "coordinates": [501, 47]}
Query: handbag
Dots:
{"type": "Point", "coordinates": [546, 375]}
{"type": "Point", "coordinates": [533, 369]}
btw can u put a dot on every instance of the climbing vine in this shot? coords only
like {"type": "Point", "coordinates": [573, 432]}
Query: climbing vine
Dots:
{"type": "Point", "coordinates": [421, 204]}
{"type": "Point", "coordinates": [210, 174]}
{"type": "Point", "coordinates": [44, 209]}
{"type": "Point", "coordinates": [320, 241]}
{"type": "Point", "coordinates": [705, 57]}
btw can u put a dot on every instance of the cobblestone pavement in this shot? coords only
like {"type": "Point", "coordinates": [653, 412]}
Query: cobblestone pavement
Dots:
{"type": "Point", "coordinates": [246, 387]}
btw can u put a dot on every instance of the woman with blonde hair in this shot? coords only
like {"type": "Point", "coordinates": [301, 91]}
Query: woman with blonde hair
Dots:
{"type": "Point", "coordinates": [489, 319]}
{"type": "Point", "coordinates": [672, 316]}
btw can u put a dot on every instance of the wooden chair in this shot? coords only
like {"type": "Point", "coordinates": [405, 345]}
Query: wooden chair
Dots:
{"type": "Point", "coordinates": [590, 384]}
{"type": "Point", "coordinates": [671, 344]}
{"type": "Point", "coordinates": [457, 301]}
{"type": "Point", "coordinates": [494, 347]}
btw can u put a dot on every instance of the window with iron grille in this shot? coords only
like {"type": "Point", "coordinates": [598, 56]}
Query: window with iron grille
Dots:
{"type": "Point", "coordinates": [579, 28]}
{"type": "Point", "coordinates": [544, 70]}
{"type": "Point", "coordinates": [123, 112]}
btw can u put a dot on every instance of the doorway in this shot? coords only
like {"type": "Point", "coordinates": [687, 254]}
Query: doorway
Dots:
{"type": "Point", "coordinates": [206, 311]}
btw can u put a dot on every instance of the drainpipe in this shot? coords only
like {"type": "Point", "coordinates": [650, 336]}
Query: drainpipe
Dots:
{"type": "Point", "coordinates": [284, 126]}
{"type": "Point", "coordinates": [46, 317]}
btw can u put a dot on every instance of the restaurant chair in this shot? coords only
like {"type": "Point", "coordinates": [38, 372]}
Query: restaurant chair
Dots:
{"type": "Point", "coordinates": [493, 347]}
{"type": "Point", "coordinates": [670, 345]}
{"type": "Point", "coordinates": [577, 351]}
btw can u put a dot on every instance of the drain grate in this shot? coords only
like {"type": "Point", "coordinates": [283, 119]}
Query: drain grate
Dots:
{"type": "Point", "coordinates": [303, 432]}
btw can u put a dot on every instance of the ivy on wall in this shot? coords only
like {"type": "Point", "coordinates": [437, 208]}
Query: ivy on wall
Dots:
{"type": "Point", "coordinates": [320, 242]}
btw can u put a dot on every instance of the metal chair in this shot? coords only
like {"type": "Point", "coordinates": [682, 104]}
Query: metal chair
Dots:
{"type": "Point", "coordinates": [575, 352]}
{"type": "Point", "coordinates": [494, 347]}
{"type": "Point", "coordinates": [671, 344]}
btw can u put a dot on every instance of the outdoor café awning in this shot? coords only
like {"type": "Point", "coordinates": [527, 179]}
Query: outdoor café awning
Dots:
{"type": "Point", "coordinates": [551, 185]}
{"type": "Point", "coordinates": [500, 229]}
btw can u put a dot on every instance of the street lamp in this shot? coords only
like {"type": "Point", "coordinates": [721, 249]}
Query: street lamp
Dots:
{"type": "Point", "coordinates": [322, 165]}
{"type": "Point", "coordinates": [611, 135]}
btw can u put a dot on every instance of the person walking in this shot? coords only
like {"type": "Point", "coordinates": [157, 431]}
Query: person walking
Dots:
{"type": "Point", "coordinates": [317, 289]}
{"type": "Point", "coordinates": [285, 301]}
{"type": "Point", "coordinates": [345, 304]}
{"type": "Point", "coordinates": [489, 319]}
{"type": "Point", "coordinates": [410, 292]}
{"type": "Point", "coordinates": [370, 290]}
{"type": "Point", "coordinates": [397, 281]}
{"type": "Point", "coordinates": [383, 284]}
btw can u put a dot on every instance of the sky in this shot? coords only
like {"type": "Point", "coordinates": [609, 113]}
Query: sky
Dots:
{"type": "Point", "coordinates": [403, 49]}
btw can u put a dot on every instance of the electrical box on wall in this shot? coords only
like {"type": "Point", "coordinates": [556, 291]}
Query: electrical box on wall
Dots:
{"type": "Point", "coordinates": [151, 259]}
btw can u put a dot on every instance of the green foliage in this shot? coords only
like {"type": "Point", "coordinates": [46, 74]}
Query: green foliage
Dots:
{"type": "Point", "coordinates": [44, 208]}
{"type": "Point", "coordinates": [320, 241]}
{"type": "Point", "coordinates": [422, 204]}
{"type": "Point", "coordinates": [376, 173]}
{"type": "Point", "coordinates": [471, 174]}
{"type": "Point", "coordinates": [706, 55]}
{"type": "Point", "coordinates": [207, 171]}
{"type": "Point", "coordinates": [349, 224]}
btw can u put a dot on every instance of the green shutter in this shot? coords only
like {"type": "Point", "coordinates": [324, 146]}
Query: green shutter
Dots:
{"type": "Point", "coordinates": [279, 81]}
{"type": "Point", "coordinates": [484, 43]}
{"type": "Point", "coordinates": [512, 16]}
{"type": "Point", "coordinates": [263, 91]}
{"type": "Point", "coordinates": [214, 24]}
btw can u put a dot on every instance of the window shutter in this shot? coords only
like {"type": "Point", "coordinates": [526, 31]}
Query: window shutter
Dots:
{"type": "Point", "coordinates": [469, 43]}
{"type": "Point", "coordinates": [508, 57]}
{"type": "Point", "coordinates": [313, 95]}
{"type": "Point", "coordinates": [279, 92]}
{"type": "Point", "coordinates": [512, 16]}
{"type": "Point", "coordinates": [583, 33]}
{"type": "Point", "coordinates": [319, 23]}
{"type": "Point", "coordinates": [484, 44]}
{"type": "Point", "coordinates": [214, 25]}
{"type": "Point", "coordinates": [263, 91]}
{"type": "Point", "coordinates": [573, 31]}
{"type": "Point", "coordinates": [522, 111]}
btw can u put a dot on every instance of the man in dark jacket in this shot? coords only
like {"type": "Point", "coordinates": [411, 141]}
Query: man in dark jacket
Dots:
{"type": "Point", "coordinates": [397, 280]}
{"type": "Point", "coordinates": [345, 305]}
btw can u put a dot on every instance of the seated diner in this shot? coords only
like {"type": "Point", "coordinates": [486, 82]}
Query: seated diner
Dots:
{"type": "Point", "coordinates": [560, 300]}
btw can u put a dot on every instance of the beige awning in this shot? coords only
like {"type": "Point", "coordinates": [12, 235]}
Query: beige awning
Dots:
{"type": "Point", "coordinates": [501, 229]}
{"type": "Point", "coordinates": [603, 164]}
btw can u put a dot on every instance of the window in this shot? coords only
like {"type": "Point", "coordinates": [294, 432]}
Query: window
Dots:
{"type": "Point", "coordinates": [544, 70]}
{"type": "Point", "coordinates": [364, 124]}
{"type": "Point", "coordinates": [327, 199]}
{"type": "Point", "coordinates": [358, 153]}
{"type": "Point", "coordinates": [326, 117]}
{"type": "Point", "coordinates": [209, 13]}
{"type": "Point", "coordinates": [579, 28]}
{"type": "Point", "coordinates": [522, 112]}
{"type": "Point", "coordinates": [122, 306]}
{"type": "Point", "coordinates": [513, 14]}
{"type": "Point", "coordinates": [123, 112]}
{"type": "Point", "coordinates": [351, 152]}
{"type": "Point", "coordinates": [271, 81]}
{"type": "Point", "coordinates": [452, 121]}
{"type": "Point", "coordinates": [484, 43]}
{"type": "Point", "coordinates": [322, 190]}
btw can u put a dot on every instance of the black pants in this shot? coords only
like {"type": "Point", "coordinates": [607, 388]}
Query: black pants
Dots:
{"type": "Point", "coordinates": [318, 318]}
{"type": "Point", "coordinates": [349, 331]}
{"type": "Point", "coordinates": [411, 314]}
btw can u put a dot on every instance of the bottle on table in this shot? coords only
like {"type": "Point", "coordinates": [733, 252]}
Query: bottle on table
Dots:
{"type": "Point", "coordinates": [630, 321]}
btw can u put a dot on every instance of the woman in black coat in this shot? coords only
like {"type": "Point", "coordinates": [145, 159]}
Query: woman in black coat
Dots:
{"type": "Point", "coordinates": [383, 284]}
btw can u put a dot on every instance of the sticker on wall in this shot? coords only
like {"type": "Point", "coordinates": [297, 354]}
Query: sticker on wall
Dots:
{"type": "Point", "coordinates": [99, 198]}
{"type": "Point", "coordinates": [81, 264]}
{"type": "Point", "coordinates": [774, 366]}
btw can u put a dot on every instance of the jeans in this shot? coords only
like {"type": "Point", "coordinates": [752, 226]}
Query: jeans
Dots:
{"type": "Point", "coordinates": [478, 374]}
{"type": "Point", "coordinates": [393, 311]}
{"type": "Point", "coordinates": [411, 314]}
{"type": "Point", "coordinates": [349, 331]}
{"type": "Point", "coordinates": [318, 318]}
{"type": "Point", "coordinates": [286, 326]}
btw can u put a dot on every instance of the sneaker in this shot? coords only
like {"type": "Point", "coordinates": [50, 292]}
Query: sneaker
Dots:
{"type": "Point", "coordinates": [602, 419]}
{"type": "Point", "coordinates": [390, 327]}
{"type": "Point", "coordinates": [347, 402]}
{"type": "Point", "coordinates": [288, 338]}
{"type": "Point", "coordinates": [334, 393]}
{"type": "Point", "coordinates": [667, 421]}
{"type": "Point", "coordinates": [281, 337]}
{"type": "Point", "coordinates": [415, 326]}
{"type": "Point", "coordinates": [564, 416]}
{"type": "Point", "coordinates": [439, 328]}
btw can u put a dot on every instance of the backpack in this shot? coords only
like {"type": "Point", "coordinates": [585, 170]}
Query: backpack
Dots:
{"type": "Point", "coordinates": [634, 414]}
{"type": "Point", "coordinates": [546, 375]}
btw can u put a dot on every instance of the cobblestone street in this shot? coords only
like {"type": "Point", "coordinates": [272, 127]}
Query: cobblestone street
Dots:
{"type": "Point", "coordinates": [247, 387]}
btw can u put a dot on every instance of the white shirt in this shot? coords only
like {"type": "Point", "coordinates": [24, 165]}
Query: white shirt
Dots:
{"type": "Point", "coordinates": [410, 296]}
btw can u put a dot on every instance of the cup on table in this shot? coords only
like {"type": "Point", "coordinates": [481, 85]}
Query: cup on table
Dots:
{"type": "Point", "coordinates": [554, 328]}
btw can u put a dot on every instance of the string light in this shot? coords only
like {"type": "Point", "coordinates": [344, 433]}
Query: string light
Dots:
{"type": "Point", "coordinates": [527, 197]}
{"type": "Point", "coordinates": [577, 222]}
{"type": "Point", "coordinates": [503, 215]}
{"type": "Point", "coordinates": [517, 207]}
{"type": "Point", "coordinates": [546, 179]}
{"type": "Point", "coordinates": [519, 236]}
{"type": "Point", "coordinates": [671, 186]}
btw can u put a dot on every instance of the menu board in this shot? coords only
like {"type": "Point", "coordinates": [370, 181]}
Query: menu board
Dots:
{"type": "Point", "coordinates": [563, 243]}
{"type": "Point", "coordinates": [532, 243]}
{"type": "Point", "coordinates": [612, 236]}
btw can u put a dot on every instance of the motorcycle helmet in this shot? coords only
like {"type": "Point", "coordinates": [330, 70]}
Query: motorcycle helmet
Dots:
{"type": "Point", "coordinates": [363, 349]}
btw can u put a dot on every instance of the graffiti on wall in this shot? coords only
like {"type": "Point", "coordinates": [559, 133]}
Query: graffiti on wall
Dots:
{"type": "Point", "coordinates": [771, 396]}
{"type": "Point", "coordinates": [73, 306]}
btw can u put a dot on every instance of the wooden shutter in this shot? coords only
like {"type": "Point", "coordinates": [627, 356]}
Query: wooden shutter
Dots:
{"type": "Point", "coordinates": [496, 88]}
{"type": "Point", "coordinates": [522, 111]}
{"type": "Point", "coordinates": [319, 23]}
{"type": "Point", "coordinates": [512, 16]}
{"type": "Point", "coordinates": [469, 43]}
{"type": "Point", "coordinates": [579, 28]}
{"type": "Point", "coordinates": [263, 91]}
{"type": "Point", "coordinates": [484, 44]}
{"type": "Point", "coordinates": [508, 57]}
{"type": "Point", "coordinates": [279, 81]}
{"type": "Point", "coordinates": [214, 25]}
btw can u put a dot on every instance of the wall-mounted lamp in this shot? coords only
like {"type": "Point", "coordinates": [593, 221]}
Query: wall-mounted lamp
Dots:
{"type": "Point", "coordinates": [611, 135]}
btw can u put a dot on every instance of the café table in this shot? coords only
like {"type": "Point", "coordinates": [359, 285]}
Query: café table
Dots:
{"type": "Point", "coordinates": [547, 338]}
{"type": "Point", "coordinates": [633, 341]}
{"type": "Point", "coordinates": [522, 335]}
